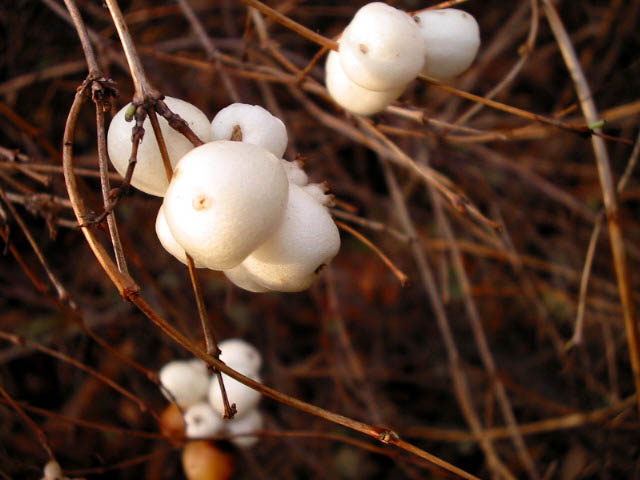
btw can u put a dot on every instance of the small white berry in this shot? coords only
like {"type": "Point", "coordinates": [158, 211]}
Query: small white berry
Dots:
{"type": "Point", "coordinates": [381, 49]}
{"type": "Point", "coordinates": [168, 241]}
{"type": "Point", "coordinates": [202, 421]}
{"type": "Point", "coordinates": [240, 355]}
{"type": "Point", "coordinates": [305, 242]}
{"type": "Point", "coordinates": [250, 124]}
{"type": "Point", "coordinates": [451, 38]}
{"type": "Point", "coordinates": [244, 397]}
{"type": "Point", "coordinates": [187, 382]}
{"type": "Point", "coordinates": [224, 200]}
{"type": "Point", "coordinates": [52, 470]}
{"type": "Point", "coordinates": [239, 276]}
{"type": "Point", "coordinates": [149, 174]}
{"type": "Point", "coordinates": [351, 96]}
{"type": "Point", "coordinates": [295, 172]}
{"type": "Point", "coordinates": [251, 422]}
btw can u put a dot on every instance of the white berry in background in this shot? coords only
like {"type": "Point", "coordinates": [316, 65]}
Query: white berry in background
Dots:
{"type": "Point", "coordinates": [451, 38]}
{"type": "Point", "coordinates": [294, 172]}
{"type": "Point", "coordinates": [350, 95]}
{"type": "Point", "coordinates": [244, 397]}
{"type": "Point", "coordinates": [202, 421]}
{"type": "Point", "coordinates": [239, 276]}
{"type": "Point", "coordinates": [149, 174]}
{"type": "Point", "coordinates": [224, 200]}
{"type": "Point", "coordinates": [250, 124]}
{"type": "Point", "coordinates": [240, 355]}
{"type": "Point", "coordinates": [167, 241]}
{"type": "Point", "coordinates": [251, 422]}
{"type": "Point", "coordinates": [381, 49]}
{"type": "Point", "coordinates": [52, 471]}
{"type": "Point", "coordinates": [187, 382]}
{"type": "Point", "coordinates": [304, 244]}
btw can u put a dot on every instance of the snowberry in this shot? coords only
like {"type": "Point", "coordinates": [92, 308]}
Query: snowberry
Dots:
{"type": "Point", "coordinates": [149, 174]}
{"type": "Point", "coordinates": [305, 242]}
{"type": "Point", "coordinates": [318, 192]}
{"type": "Point", "coordinates": [244, 397]}
{"type": "Point", "coordinates": [168, 241]}
{"type": "Point", "coordinates": [224, 200]}
{"type": "Point", "coordinates": [294, 172]}
{"type": "Point", "coordinates": [52, 470]}
{"type": "Point", "coordinates": [201, 460]}
{"type": "Point", "coordinates": [251, 422]}
{"type": "Point", "coordinates": [239, 276]}
{"type": "Point", "coordinates": [381, 49]}
{"type": "Point", "coordinates": [240, 355]}
{"type": "Point", "coordinates": [250, 124]}
{"type": "Point", "coordinates": [451, 39]}
{"type": "Point", "coordinates": [202, 421]}
{"type": "Point", "coordinates": [187, 382]}
{"type": "Point", "coordinates": [350, 95]}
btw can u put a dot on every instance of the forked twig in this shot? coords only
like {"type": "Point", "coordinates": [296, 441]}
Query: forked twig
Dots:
{"type": "Point", "coordinates": [608, 190]}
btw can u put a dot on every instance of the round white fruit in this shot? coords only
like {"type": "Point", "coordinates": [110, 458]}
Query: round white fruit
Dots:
{"type": "Point", "coordinates": [239, 276]}
{"type": "Point", "coordinates": [451, 39]}
{"type": "Point", "coordinates": [240, 355]}
{"type": "Point", "coordinates": [244, 397]}
{"type": "Point", "coordinates": [202, 421]}
{"type": "Point", "coordinates": [351, 96]}
{"type": "Point", "coordinates": [168, 241]}
{"type": "Point", "coordinates": [305, 242]}
{"type": "Point", "coordinates": [187, 382]}
{"type": "Point", "coordinates": [295, 172]}
{"type": "Point", "coordinates": [251, 422]}
{"type": "Point", "coordinates": [250, 124]}
{"type": "Point", "coordinates": [149, 174]}
{"type": "Point", "coordinates": [224, 200]}
{"type": "Point", "coordinates": [381, 49]}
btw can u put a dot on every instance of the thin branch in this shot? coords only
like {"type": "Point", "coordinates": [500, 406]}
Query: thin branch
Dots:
{"type": "Point", "coordinates": [608, 189]}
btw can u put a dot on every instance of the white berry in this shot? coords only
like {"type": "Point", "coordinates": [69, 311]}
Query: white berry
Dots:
{"type": "Point", "coordinates": [224, 200]}
{"type": "Point", "coordinates": [240, 355]}
{"type": "Point", "coordinates": [451, 38]}
{"type": "Point", "coordinates": [239, 276]}
{"type": "Point", "coordinates": [187, 382]}
{"type": "Point", "coordinates": [295, 172]}
{"type": "Point", "coordinates": [351, 96]}
{"type": "Point", "coordinates": [306, 241]}
{"type": "Point", "coordinates": [251, 422]}
{"type": "Point", "coordinates": [244, 397]}
{"type": "Point", "coordinates": [202, 421]}
{"type": "Point", "coordinates": [149, 174]}
{"type": "Point", "coordinates": [168, 241]}
{"type": "Point", "coordinates": [251, 124]}
{"type": "Point", "coordinates": [381, 49]}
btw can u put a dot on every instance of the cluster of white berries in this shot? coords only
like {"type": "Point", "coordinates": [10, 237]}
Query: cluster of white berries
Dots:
{"type": "Point", "coordinates": [233, 204]}
{"type": "Point", "coordinates": [189, 384]}
{"type": "Point", "coordinates": [383, 49]}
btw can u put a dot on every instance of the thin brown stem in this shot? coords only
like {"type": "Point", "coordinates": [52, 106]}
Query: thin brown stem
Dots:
{"type": "Point", "coordinates": [399, 274]}
{"type": "Point", "coordinates": [608, 189]}
{"type": "Point", "coordinates": [42, 437]}
{"type": "Point", "coordinates": [292, 25]}
{"type": "Point", "coordinates": [460, 382]}
{"type": "Point", "coordinates": [144, 90]}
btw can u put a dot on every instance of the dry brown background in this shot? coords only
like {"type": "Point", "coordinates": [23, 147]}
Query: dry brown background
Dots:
{"type": "Point", "coordinates": [357, 342]}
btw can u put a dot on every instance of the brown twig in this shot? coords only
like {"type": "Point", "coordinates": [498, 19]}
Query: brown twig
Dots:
{"type": "Point", "coordinates": [401, 276]}
{"type": "Point", "coordinates": [460, 382]}
{"type": "Point", "coordinates": [608, 189]}
{"type": "Point", "coordinates": [292, 25]}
